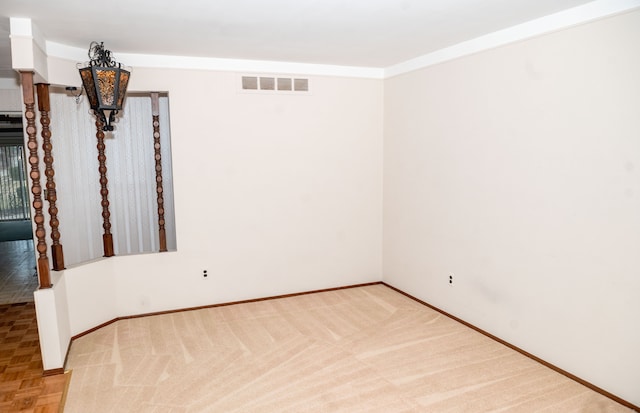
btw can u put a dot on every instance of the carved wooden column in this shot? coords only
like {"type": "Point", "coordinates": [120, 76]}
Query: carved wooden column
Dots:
{"type": "Point", "coordinates": [107, 238]}
{"type": "Point", "coordinates": [155, 111]}
{"type": "Point", "coordinates": [45, 107]}
{"type": "Point", "coordinates": [36, 189]}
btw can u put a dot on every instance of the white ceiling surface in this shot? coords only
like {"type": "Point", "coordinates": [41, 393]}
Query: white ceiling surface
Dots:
{"type": "Point", "coordinates": [360, 33]}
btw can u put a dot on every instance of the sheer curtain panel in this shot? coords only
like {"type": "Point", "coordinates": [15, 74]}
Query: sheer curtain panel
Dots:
{"type": "Point", "coordinates": [130, 172]}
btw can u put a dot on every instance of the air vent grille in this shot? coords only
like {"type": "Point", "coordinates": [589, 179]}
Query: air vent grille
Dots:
{"type": "Point", "coordinates": [267, 83]}
{"type": "Point", "coordinates": [284, 83]}
{"type": "Point", "coordinates": [274, 84]}
{"type": "Point", "coordinates": [301, 85]}
{"type": "Point", "coordinates": [249, 83]}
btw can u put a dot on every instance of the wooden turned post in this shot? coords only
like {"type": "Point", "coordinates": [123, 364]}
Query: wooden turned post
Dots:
{"type": "Point", "coordinates": [36, 190]}
{"type": "Point", "coordinates": [45, 107]}
{"type": "Point", "coordinates": [107, 238]}
{"type": "Point", "coordinates": [155, 111]}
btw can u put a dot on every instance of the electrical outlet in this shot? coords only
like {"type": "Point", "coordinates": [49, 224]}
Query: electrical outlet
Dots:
{"type": "Point", "coordinates": [204, 273]}
{"type": "Point", "coordinates": [450, 278]}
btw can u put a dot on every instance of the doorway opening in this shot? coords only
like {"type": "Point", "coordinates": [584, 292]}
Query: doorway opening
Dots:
{"type": "Point", "coordinates": [18, 278]}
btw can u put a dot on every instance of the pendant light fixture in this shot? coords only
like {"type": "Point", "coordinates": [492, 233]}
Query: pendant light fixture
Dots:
{"type": "Point", "coordinates": [105, 82]}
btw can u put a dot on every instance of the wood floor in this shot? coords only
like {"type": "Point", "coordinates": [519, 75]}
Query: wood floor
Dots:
{"type": "Point", "coordinates": [359, 350]}
{"type": "Point", "coordinates": [22, 386]}
{"type": "Point", "coordinates": [18, 278]}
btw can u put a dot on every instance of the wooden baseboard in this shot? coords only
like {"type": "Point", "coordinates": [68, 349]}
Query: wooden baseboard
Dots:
{"type": "Point", "coordinates": [89, 331]}
{"type": "Point", "coordinates": [491, 336]}
{"type": "Point", "coordinates": [52, 372]}
{"type": "Point", "coordinates": [523, 352]}
{"type": "Point", "coordinates": [275, 297]}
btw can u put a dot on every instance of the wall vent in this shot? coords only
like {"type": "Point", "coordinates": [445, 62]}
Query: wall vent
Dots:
{"type": "Point", "coordinates": [274, 84]}
{"type": "Point", "coordinates": [301, 85]}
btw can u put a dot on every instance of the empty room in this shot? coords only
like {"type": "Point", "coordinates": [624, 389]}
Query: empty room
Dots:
{"type": "Point", "coordinates": [325, 206]}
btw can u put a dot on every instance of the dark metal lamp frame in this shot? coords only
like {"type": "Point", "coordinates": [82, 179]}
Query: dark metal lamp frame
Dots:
{"type": "Point", "coordinates": [105, 82]}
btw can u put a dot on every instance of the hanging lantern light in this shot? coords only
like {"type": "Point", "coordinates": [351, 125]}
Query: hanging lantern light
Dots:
{"type": "Point", "coordinates": [105, 82]}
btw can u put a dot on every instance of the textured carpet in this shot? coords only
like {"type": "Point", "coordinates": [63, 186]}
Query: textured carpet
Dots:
{"type": "Point", "coordinates": [366, 349]}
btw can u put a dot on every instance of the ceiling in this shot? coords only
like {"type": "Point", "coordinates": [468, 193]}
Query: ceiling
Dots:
{"type": "Point", "coordinates": [365, 33]}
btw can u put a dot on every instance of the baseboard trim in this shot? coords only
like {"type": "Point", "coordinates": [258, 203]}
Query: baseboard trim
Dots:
{"type": "Point", "coordinates": [521, 351]}
{"type": "Point", "coordinates": [52, 372]}
{"type": "Point", "coordinates": [275, 297]}
{"type": "Point", "coordinates": [180, 310]}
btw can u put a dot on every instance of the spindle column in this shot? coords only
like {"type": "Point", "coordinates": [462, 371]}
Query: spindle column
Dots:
{"type": "Point", "coordinates": [155, 111]}
{"type": "Point", "coordinates": [36, 190]}
{"type": "Point", "coordinates": [107, 238]}
{"type": "Point", "coordinates": [45, 107]}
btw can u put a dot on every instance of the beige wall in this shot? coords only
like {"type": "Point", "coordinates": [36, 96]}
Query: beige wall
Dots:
{"type": "Point", "coordinates": [274, 194]}
{"type": "Point", "coordinates": [10, 100]}
{"type": "Point", "coordinates": [518, 170]}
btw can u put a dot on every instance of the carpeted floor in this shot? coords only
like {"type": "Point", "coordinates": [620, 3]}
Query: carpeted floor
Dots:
{"type": "Point", "coordinates": [366, 349]}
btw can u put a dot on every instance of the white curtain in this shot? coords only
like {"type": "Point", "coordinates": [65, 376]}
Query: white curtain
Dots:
{"type": "Point", "coordinates": [130, 172]}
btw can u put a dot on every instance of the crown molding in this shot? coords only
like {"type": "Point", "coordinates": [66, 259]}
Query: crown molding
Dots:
{"type": "Point", "coordinates": [218, 64]}
{"type": "Point", "coordinates": [562, 20]}
{"type": "Point", "coordinates": [558, 21]}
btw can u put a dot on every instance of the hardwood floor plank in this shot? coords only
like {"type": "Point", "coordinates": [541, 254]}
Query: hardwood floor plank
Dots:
{"type": "Point", "coordinates": [22, 385]}
{"type": "Point", "coordinates": [18, 278]}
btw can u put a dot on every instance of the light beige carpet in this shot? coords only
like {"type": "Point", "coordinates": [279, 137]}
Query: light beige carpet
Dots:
{"type": "Point", "coordinates": [366, 349]}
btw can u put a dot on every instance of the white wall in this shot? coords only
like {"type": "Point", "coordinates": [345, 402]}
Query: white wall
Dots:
{"type": "Point", "coordinates": [53, 322]}
{"type": "Point", "coordinates": [518, 170]}
{"type": "Point", "coordinates": [10, 98]}
{"type": "Point", "coordinates": [274, 194]}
